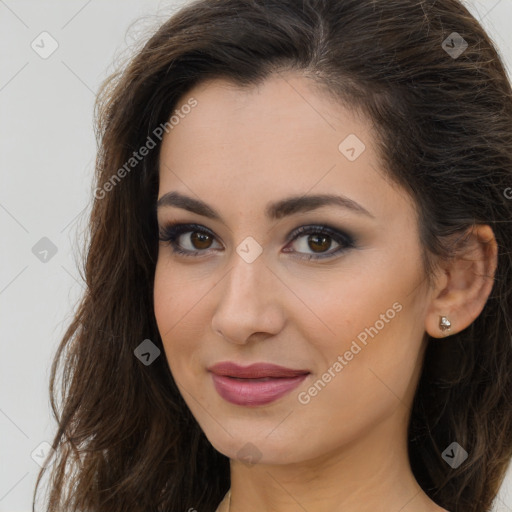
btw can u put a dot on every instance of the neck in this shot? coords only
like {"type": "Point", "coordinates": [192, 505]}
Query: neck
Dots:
{"type": "Point", "coordinates": [371, 474]}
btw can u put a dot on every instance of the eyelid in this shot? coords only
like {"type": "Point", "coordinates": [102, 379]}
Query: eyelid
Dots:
{"type": "Point", "coordinates": [171, 231]}
{"type": "Point", "coordinates": [321, 228]}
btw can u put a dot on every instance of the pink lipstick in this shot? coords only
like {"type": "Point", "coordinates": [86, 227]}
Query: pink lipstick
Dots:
{"type": "Point", "coordinates": [256, 384]}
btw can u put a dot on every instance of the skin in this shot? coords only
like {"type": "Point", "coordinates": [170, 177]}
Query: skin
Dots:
{"type": "Point", "coordinates": [347, 448]}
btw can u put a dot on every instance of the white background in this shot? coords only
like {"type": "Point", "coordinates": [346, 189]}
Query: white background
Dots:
{"type": "Point", "coordinates": [47, 156]}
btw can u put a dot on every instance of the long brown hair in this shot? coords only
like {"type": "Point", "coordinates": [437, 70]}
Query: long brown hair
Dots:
{"type": "Point", "coordinates": [126, 440]}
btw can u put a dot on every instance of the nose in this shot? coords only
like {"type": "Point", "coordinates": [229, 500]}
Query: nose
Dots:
{"type": "Point", "coordinates": [249, 302]}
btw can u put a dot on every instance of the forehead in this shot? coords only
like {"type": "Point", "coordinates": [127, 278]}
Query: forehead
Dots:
{"type": "Point", "coordinates": [288, 102]}
{"type": "Point", "coordinates": [280, 138]}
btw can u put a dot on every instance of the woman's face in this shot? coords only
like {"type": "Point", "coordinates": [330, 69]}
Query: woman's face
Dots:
{"type": "Point", "coordinates": [353, 320]}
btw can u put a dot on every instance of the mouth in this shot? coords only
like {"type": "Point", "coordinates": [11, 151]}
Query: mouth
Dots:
{"type": "Point", "coordinates": [244, 379]}
{"type": "Point", "coordinates": [254, 385]}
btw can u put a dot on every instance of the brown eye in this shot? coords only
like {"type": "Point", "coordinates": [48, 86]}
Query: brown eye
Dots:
{"type": "Point", "coordinates": [312, 242]}
{"type": "Point", "coordinates": [319, 243]}
{"type": "Point", "coordinates": [200, 240]}
{"type": "Point", "coordinates": [187, 239]}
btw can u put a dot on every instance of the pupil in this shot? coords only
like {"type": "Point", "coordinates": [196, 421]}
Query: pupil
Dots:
{"type": "Point", "coordinates": [200, 238]}
{"type": "Point", "coordinates": [315, 238]}
{"type": "Point", "coordinates": [317, 243]}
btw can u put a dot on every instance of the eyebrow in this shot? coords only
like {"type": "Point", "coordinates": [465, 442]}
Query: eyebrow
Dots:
{"type": "Point", "coordinates": [275, 210]}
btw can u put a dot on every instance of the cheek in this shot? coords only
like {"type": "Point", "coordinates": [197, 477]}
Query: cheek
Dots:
{"type": "Point", "coordinates": [338, 305]}
{"type": "Point", "coordinates": [179, 311]}
{"type": "Point", "coordinates": [370, 314]}
{"type": "Point", "coordinates": [380, 354]}
{"type": "Point", "coordinates": [367, 366]}
{"type": "Point", "coordinates": [175, 296]}
{"type": "Point", "coordinates": [172, 301]}
{"type": "Point", "coordinates": [164, 297]}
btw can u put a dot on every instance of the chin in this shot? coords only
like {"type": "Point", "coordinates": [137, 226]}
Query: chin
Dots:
{"type": "Point", "coordinates": [253, 449]}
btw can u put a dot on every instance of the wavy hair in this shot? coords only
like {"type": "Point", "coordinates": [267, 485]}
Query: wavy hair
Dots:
{"type": "Point", "coordinates": [125, 438]}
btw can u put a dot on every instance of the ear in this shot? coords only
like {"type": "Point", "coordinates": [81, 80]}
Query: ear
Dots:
{"type": "Point", "coordinates": [463, 283]}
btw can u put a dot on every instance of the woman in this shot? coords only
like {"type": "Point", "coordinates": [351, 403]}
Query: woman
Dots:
{"type": "Point", "coordinates": [299, 271]}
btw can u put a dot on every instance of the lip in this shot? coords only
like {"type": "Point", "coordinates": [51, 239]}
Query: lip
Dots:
{"type": "Point", "coordinates": [256, 384]}
{"type": "Point", "coordinates": [254, 371]}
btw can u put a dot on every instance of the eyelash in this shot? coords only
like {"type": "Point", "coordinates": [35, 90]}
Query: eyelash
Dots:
{"type": "Point", "coordinates": [171, 232]}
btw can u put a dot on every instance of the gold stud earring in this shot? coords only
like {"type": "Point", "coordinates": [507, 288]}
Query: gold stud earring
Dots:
{"type": "Point", "coordinates": [444, 324]}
